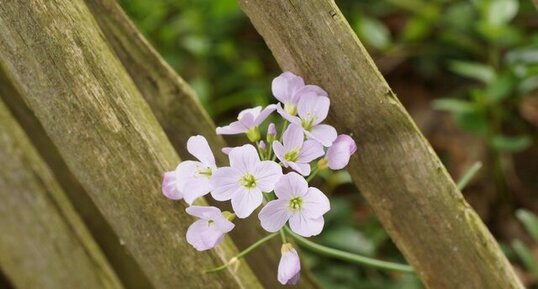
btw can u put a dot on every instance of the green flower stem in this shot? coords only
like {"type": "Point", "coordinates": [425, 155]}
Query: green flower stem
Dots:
{"type": "Point", "coordinates": [312, 174]}
{"type": "Point", "coordinates": [469, 174]}
{"type": "Point", "coordinates": [282, 235]}
{"type": "Point", "coordinates": [242, 253]}
{"type": "Point", "coordinates": [346, 256]}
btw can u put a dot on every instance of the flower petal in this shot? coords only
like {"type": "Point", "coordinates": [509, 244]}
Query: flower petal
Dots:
{"type": "Point", "coordinates": [293, 137]}
{"type": "Point", "coordinates": [323, 133]}
{"type": "Point", "coordinates": [279, 150]}
{"type": "Point", "coordinates": [264, 114]}
{"type": "Point", "coordinates": [225, 182]}
{"type": "Point", "coordinates": [306, 227]}
{"type": "Point", "coordinates": [311, 105]}
{"type": "Point", "coordinates": [198, 147]}
{"type": "Point", "coordinates": [309, 89]}
{"type": "Point", "coordinates": [203, 212]}
{"type": "Point", "coordinates": [289, 268]}
{"type": "Point", "coordinates": [287, 116]}
{"type": "Point", "coordinates": [196, 188]}
{"type": "Point", "coordinates": [311, 150]}
{"type": "Point", "coordinates": [274, 215]}
{"type": "Point", "coordinates": [170, 187]}
{"type": "Point", "coordinates": [267, 174]}
{"type": "Point", "coordinates": [285, 85]}
{"type": "Point", "coordinates": [245, 201]}
{"type": "Point", "coordinates": [226, 150]}
{"type": "Point", "coordinates": [244, 158]}
{"type": "Point", "coordinates": [203, 236]}
{"type": "Point", "coordinates": [235, 127]}
{"type": "Point", "coordinates": [302, 168]}
{"type": "Point", "coordinates": [291, 185]}
{"type": "Point", "coordinates": [252, 111]}
{"type": "Point", "coordinates": [315, 203]}
{"type": "Point", "coordinates": [340, 152]}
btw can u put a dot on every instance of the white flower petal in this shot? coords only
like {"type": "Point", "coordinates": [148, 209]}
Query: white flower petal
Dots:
{"type": "Point", "coordinates": [244, 158]}
{"type": "Point", "coordinates": [323, 133]}
{"type": "Point", "coordinates": [267, 174]}
{"type": "Point", "coordinates": [291, 185]}
{"type": "Point", "coordinates": [306, 227]}
{"type": "Point", "coordinates": [274, 215]}
{"type": "Point", "coordinates": [225, 182]}
{"type": "Point", "coordinates": [245, 201]}
{"type": "Point", "coordinates": [315, 203]}
{"type": "Point", "coordinates": [198, 147]}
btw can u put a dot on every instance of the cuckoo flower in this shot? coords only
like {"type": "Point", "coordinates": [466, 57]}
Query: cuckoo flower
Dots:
{"type": "Point", "coordinates": [244, 180]}
{"type": "Point", "coordinates": [312, 109]}
{"type": "Point", "coordinates": [248, 122]}
{"type": "Point", "coordinates": [340, 151]}
{"type": "Point", "coordinates": [304, 207]}
{"type": "Point", "coordinates": [288, 89]}
{"type": "Point", "coordinates": [289, 266]}
{"type": "Point", "coordinates": [191, 179]}
{"type": "Point", "coordinates": [209, 230]}
{"type": "Point", "coordinates": [295, 152]}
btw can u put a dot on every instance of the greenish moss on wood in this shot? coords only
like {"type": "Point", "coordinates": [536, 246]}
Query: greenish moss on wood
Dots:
{"type": "Point", "coordinates": [44, 243]}
{"type": "Point", "coordinates": [59, 59]}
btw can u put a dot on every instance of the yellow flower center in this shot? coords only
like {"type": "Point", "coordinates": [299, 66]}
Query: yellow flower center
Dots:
{"type": "Point", "coordinates": [248, 181]}
{"type": "Point", "coordinates": [295, 204]}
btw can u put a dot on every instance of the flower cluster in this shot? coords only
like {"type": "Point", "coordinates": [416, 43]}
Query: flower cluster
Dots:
{"type": "Point", "coordinates": [254, 178]}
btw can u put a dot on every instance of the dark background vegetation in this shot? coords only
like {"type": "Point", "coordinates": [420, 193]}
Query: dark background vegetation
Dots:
{"type": "Point", "coordinates": [466, 70]}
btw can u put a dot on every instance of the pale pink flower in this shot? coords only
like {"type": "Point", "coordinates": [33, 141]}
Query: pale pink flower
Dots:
{"type": "Point", "coordinates": [312, 109]}
{"type": "Point", "coordinates": [288, 89]}
{"type": "Point", "coordinates": [191, 179]}
{"type": "Point", "coordinates": [245, 180]}
{"type": "Point", "coordinates": [248, 120]}
{"type": "Point", "coordinates": [304, 207]}
{"type": "Point", "coordinates": [295, 152]}
{"type": "Point", "coordinates": [289, 267]}
{"type": "Point", "coordinates": [340, 152]}
{"type": "Point", "coordinates": [209, 230]}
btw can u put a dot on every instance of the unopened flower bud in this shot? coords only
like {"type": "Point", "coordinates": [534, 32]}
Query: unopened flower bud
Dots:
{"type": "Point", "coordinates": [228, 215]}
{"type": "Point", "coordinates": [289, 266]}
{"type": "Point", "coordinates": [271, 133]}
{"type": "Point", "coordinates": [323, 164]}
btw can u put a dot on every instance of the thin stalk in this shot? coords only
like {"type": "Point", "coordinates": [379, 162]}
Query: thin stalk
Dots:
{"type": "Point", "coordinates": [282, 235]}
{"type": "Point", "coordinates": [469, 174]}
{"type": "Point", "coordinates": [312, 174]}
{"type": "Point", "coordinates": [242, 253]}
{"type": "Point", "coordinates": [346, 256]}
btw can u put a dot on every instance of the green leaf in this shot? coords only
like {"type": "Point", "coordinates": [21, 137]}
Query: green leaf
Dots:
{"type": "Point", "coordinates": [529, 221]}
{"type": "Point", "coordinates": [526, 256]}
{"type": "Point", "coordinates": [473, 70]}
{"type": "Point", "coordinates": [453, 105]}
{"type": "Point", "coordinates": [501, 88]}
{"type": "Point", "coordinates": [511, 144]}
{"type": "Point", "coordinates": [502, 11]}
{"type": "Point", "coordinates": [373, 32]}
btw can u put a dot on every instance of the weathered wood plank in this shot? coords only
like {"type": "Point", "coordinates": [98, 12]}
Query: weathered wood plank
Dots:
{"type": "Point", "coordinates": [177, 109]}
{"type": "Point", "coordinates": [44, 243]}
{"type": "Point", "coordinates": [395, 167]}
{"type": "Point", "coordinates": [123, 264]}
{"type": "Point", "coordinates": [106, 133]}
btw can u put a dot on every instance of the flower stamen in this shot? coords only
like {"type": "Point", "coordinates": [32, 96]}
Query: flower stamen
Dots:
{"type": "Point", "coordinates": [248, 181]}
{"type": "Point", "coordinates": [295, 204]}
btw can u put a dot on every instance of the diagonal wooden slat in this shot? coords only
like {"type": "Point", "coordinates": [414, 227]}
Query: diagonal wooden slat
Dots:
{"type": "Point", "coordinates": [44, 243]}
{"type": "Point", "coordinates": [395, 167]}
{"type": "Point", "coordinates": [177, 109]}
{"type": "Point", "coordinates": [108, 136]}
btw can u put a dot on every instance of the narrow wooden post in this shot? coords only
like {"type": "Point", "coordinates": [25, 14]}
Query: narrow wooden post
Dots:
{"type": "Point", "coordinates": [110, 140]}
{"type": "Point", "coordinates": [44, 243]}
{"type": "Point", "coordinates": [178, 111]}
{"type": "Point", "coordinates": [395, 168]}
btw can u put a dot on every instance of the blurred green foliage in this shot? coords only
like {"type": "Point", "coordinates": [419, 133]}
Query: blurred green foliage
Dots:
{"type": "Point", "coordinates": [491, 46]}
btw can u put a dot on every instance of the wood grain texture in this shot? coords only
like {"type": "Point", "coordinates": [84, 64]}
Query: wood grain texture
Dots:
{"type": "Point", "coordinates": [179, 112]}
{"type": "Point", "coordinates": [44, 243]}
{"type": "Point", "coordinates": [121, 261]}
{"type": "Point", "coordinates": [109, 138]}
{"type": "Point", "coordinates": [395, 167]}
